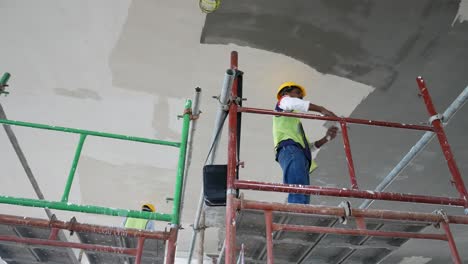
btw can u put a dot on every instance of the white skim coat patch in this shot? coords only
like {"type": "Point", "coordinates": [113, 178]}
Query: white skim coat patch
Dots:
{"type": "Point", "coordinates": [462, 13]}
{"type": "Point", "coordinates": [415, 260]}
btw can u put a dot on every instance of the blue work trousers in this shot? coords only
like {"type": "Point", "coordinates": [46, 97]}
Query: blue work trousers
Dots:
{"type": "Point", "coordinates": [295, 167]}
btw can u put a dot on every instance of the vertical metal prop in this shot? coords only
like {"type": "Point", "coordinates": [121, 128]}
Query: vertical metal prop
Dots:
{"type": "Point", "coordinates": [231, 172]}
{"type": "Point", "coordinates": [269, 235]}
{"type": "Point", "coordinates": [453, 247]}
{"type": "Point", "coordinates": [171, 245]}
{"type": "Point", "coordinates": [139, 252]}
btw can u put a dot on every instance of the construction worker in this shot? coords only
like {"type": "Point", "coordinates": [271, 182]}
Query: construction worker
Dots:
{"type": "Point", "coordinates": [138, 223]}
{"type": "Point", "coordinates": [293, 150]}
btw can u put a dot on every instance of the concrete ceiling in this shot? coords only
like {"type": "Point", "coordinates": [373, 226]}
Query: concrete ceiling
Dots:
{"type": "Point", "coordinates": [127, 66]}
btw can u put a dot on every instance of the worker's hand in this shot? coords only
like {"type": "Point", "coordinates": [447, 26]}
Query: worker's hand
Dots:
{"type": "Point", "coordinates": [327, 112]}
{"type": "Point", "coordinates": [331, 133]}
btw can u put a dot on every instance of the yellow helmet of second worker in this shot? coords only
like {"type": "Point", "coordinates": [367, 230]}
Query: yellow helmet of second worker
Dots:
{"type": "Point", "coordinates": [290, 84]}
{"type": "Point", "coordinates": [148, 206]}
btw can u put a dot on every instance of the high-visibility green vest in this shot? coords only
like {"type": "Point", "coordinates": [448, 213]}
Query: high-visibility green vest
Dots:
{"type": "Point", "coordinates": [285, 127]}
{"type": "Point", "coordinates": [136, 223]}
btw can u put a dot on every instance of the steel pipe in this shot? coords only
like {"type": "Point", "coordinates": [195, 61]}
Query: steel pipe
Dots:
{"type": "Point", "coordinates": [343, 192]}
{"type": "Point", "coordinates": [452, 245]}
{"type": "Point", "coordinates": [217, 131]}
{"type": "Point", "coordinates": [339, 211]}
{"type": "Point", "coordinates": [73, 168]}
{"type": "Point", "coordinates": [181, 164]}
{"type": "Point", "coordinates": [85, 208]}
{"type": "Point", "coordinates": [269, 235]}
{"type": "Point", "coordinates": [336, 119]}
{"type": "Point", "coordinates": [78, 227]}
{"type": "Point", "coordinates": [349, 156]}
{"type": "Point", "coordinates": [89, 132]}
{"type": "Point", "coordinates": [139, 250]}
{"type": "Point", "coordinates": [356, 232]}
{"type": "Point", "coordinates": [55, 243]}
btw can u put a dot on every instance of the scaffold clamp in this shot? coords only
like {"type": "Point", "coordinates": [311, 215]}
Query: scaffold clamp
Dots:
{"type": "Point", "coordinates": [346, 205]}
{"type": "Point", "coordinates": [444, 217]}
{"type": "Point", "coordinates": [436, 117]}
{"type": "Point", "coordinates": [70, 227]}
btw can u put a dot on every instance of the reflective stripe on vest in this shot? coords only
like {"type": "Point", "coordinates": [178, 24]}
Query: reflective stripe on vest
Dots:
{"type": "Point", "coordinates": [136, 223]}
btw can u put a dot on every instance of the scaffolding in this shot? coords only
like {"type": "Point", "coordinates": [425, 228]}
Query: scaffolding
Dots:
{"type": "Point", "coordinates": [234, 204]}
{"type": "Point", "coordinates": [54, 225]}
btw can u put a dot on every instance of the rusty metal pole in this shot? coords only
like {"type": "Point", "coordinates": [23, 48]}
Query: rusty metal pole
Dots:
{"type": "Point", "coordinates": [139, 252]}
{"type": "Point", "coordinates": [453, 247]}
{"type": "Point", "coordinates": [269, 235]}
{"type": "Point", "coordinates": [78, 227]}
{"type": "Point", "coordinates": [231, 171]}
{"type": "Point", "coordinates": [53, 233]}
{"type": "Point", "coordinates": [355, 212]}
{"type": "Point", "coordinates": [343, 192]}
{"type": "Point", "coordinates": [356, 232]}
{"type": "Point", "coordinates": [349, 157]}
{"type": "Point", "coordinates": [171, 245]}
{"type": "Point", "coordinates": [55, 243]}
{"type": "Point", "coordinates": [436, 122]}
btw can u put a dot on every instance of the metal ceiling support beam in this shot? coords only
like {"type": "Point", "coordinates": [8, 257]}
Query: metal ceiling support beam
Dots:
{"type": "Point", "coordinates": [343, 192]}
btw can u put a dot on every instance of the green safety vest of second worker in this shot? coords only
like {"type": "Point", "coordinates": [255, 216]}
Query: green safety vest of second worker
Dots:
{"type": "Point", "coordinates": [136, 223]}
{"type": "Point", "coordinates": [290, 128]}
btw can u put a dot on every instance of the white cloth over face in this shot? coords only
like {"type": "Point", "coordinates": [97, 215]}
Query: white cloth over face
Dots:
{"type": "Point", "coordinates": [289, 104]}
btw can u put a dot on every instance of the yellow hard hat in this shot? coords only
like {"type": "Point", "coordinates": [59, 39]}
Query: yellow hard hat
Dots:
{"type": "Point", "coordinates": [150, 206]}
{"type": "Point", "coordinates": [290, 84]}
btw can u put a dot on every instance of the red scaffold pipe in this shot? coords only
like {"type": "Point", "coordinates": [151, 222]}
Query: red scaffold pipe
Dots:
{"type": "Point", "coordinates": [355, 212]}
{"type": "Point", "coordinates": [355, 232]}
{"type": "Point", "coordinates": [337, 119]}
{"type": "Point", "coordinates": [439, 130]}
{"type": "Point", "coordinates": [55, 243]}
{"type": "Point", "coordinates": [78, 227]}
{"type": "Point", "coordinates": [326, 191]}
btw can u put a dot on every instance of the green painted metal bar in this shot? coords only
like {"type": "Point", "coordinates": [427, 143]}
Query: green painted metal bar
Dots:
{"type": "Point", "coordinates": [3, 82]}
{"type": "Point", "coordinates": [181, 164]}
{"type": "Point", "coordinates": [71, 175]}
{"type": "Point", "coordinates": [89, 132]}
{"type": "Point", "coordinates": [85, 208]}
{"type": "Point", "coordinates": [4, 79]}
